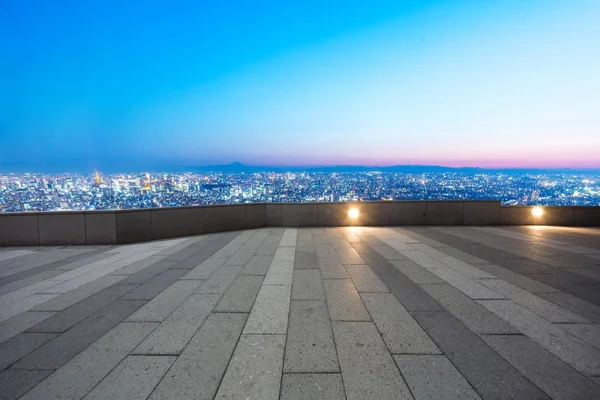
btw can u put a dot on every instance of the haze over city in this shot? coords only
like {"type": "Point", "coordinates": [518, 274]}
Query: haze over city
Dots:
{"type": "Point", "coordinates": [140, 86]}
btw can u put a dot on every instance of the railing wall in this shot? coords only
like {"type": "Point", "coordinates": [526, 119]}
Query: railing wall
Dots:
{"type": "Point", "coordinates": [129, 226]}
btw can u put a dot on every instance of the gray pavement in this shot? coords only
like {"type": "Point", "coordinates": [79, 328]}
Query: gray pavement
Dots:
{"type": "Point", "coordinates": [307, 313]}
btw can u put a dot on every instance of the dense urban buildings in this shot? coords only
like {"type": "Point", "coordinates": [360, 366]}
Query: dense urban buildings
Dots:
{"type": "Point", "coordinates": [70, 191]}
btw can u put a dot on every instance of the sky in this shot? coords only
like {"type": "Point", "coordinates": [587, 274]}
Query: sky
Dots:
{"type": "Point", "coordinates": [149, 85]}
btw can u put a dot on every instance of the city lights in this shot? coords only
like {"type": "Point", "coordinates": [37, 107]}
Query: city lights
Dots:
{"type": "Point", "coordinates": [537, 211]}
{"type": "Point", "coordinates": [353, 213]}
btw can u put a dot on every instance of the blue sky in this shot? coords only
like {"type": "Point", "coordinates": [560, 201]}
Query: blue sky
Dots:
{"type": "Point", "coordinates": [154, 84]}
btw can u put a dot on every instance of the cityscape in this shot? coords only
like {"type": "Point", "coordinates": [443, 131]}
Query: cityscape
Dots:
{"type": "Point", "coordinates": [30, 192]}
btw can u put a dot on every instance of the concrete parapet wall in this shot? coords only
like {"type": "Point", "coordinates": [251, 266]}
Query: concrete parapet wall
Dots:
{"type": "Point", "coordinates": [130, 226]}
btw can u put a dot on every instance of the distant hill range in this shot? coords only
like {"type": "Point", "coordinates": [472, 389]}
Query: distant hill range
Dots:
{"type": "Point", "coordinates": [237, 167]}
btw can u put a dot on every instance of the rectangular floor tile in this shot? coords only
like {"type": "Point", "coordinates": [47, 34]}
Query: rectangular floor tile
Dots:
{"type": "Point", "coordinates": [343, 301]}
{"type": "Point", "coordinates": [159, 308]}
{"type": "Point", "coordinates": [415, 272]}
{"type": "Point", "coordinates": [481, 366]}
{"type": "Point", "coordinates": [154, 286]}
{"type": "Point", "coordinates": [364, 279]}
{"type": "Point", "coordinates": [67, 345]}
{"type": "Point", "coordinates": [434, 377]}
{"type": "Point", "coordinates": [545, 309]}
{"type": "Point", "coordinates": [16, 382]}
{"type": "Point", "coordinates": [205, 269]}
{"type": "Point", "coordinates": [580, 355]}
{"type": "Point", "coordinates": [20, 345]}
{"type": "Point", "coordinates": [242, 257]}
{"type": "Point", "coordinates": [368, 369]}
{"type": "Point", "coordinates": [174, 333]}
{"type": "Point", "coordinates": [473, 315]}
{"type": "Point", "coordinates": [400, 332]}
{"type": "Point", "coordinates": [306, 285]}
{"type": "Point", "coordinates": [21, 322]}
{"type": "Point", "coordinates": [312, 387]}
{"type": "Point", "coordinates": [221, 279]}
{"type": "Point", "coordinates": [92, 365]}
{"type": "Point", "coordinates": [255, 369]}
{"type": "Point", "coordinates": [133, 379]}
{"type": "Point", "coordinates": [280, 273]}
{"type": "Point", "coordinates": [310, 346]}
{"type": "Point", "coordinates": [270, 312]}
{"type": "Point", "coordinates": [258, 265]}
{"type": "Point", "coordinates": [241, 294]}
{"type": "Point", "coordinates": [553, 376]}
{"type": "Point", "coordinates": [332, 268]}
{"type": "Point", "coordinates": [198, 371]}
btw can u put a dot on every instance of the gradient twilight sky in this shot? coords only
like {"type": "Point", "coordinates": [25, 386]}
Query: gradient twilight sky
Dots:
{"type": "Point", "coordinates": [167, 84]}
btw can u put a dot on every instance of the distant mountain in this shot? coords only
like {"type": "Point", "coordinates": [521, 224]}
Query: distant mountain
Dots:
{"type": "Point", "coordinates": [237, 167]}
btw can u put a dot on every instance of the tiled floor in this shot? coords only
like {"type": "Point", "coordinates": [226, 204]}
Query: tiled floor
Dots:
{"type": "Point", "coordinates": [342, 313]}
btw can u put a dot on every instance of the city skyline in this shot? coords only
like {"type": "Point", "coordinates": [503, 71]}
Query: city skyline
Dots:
{"type": "Point", "coordinates": [147, 86]}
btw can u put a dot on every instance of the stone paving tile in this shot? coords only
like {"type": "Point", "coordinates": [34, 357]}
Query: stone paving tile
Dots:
{"type": "Point", "coordinates": [133, 379]}
{"type": "Point", "coordinates": [205, 269]}
{"type": "Point", "coordinates": [368, 369]}
{"type": "Point", "coordinates": [305, 260]}
{"type": "Point", "coordinates": [468, 286]}
{"type": "Point", "coordinates": [159, 308]}
{"type": "Point", "coordinates": [332, 268]}
{"type": "Point", "coordinates": [257, 239]}
{"type": "Point", "coordinates": [66, 300]}
{"type": "Point", "coordinates": [434, 377]}
{"type": "Point", "coordinates": [258, 265]}
{"type": "Point", "coordinates": [139, 265]}
{"type": "Point", "coordinates": [174, 333]}
{"type": "Point", "coordinates": [364, 279]}
{"type": "Point", "coordinates": [66, 319]}
{"type": "Point", "coordinates": [312, 387]}
{"type": "Point", "coordinates": [516, 279]}
{"type": "Point", "coordinates": [147, 273]}
{"type": "Point", "coordinates": [572, 303]}
{"type": "Point", "coordinates": [8, 311]}
{"type": "Point", "coordinates": [407, 292]}
{"type": "Point", "coordinates": [21, 322]}
{"type": "Point", "coordinates": [220, 280]}
{"type": "Point", "coordinates": [280, 272]}
{"type": "Point", "coordinates": [241, 294]}
{"type": "Point", "coordinates": [553, 376]}
{"type": "Point", "coordinates": [343, 301]}
{"type": "Point", "coordinates": [481, 366]}
{"type": "Point", "coordinates": [270, 312]}
{"type": "Point", "coordinates": [268, 248]}
{"type": "Point", "coordinates": [67, 345]}
{"type": "Point", "coordinates": [533, 303]}
{"type": "Point", "coordinates": [255, 369]}
{"type": "Point", "coordinates": [20, 345]}
{"type": "Point", "coordinates": [307, 285]}
{"type": "Point", "coordinates": [82, 373]}
{"type": "Point", "coordinates": [289, 237]}
{"type": "Point", "coordinates": [11, 287]}
{"type": "Point", "coordinates": [415, 272]}
{"type": "Point", "coordinates": [198, 371]}
{"type": "Point", "coordinates": [16, 382]}
{"type": "Point", "coordinates": [154, 286]}
{"type": "Point", "coordinates": [242, 257]}
{"type": "Point", "coordinates": [310, 346]}
{"type": "Point", "coordinates": [463, 256]}
{"type": "Point", "coordinates": [400, 332]}
{"type": "Point", "coordinates": [472, 314]}
{"type": "Point", "coordinates": [580, 355]}
{"type": "Point", "coordinates": [388, 252]}
{"type": "Point", "coordinates": [589, 333]}
{"type": "Point", "coordinates": [285, 254]}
